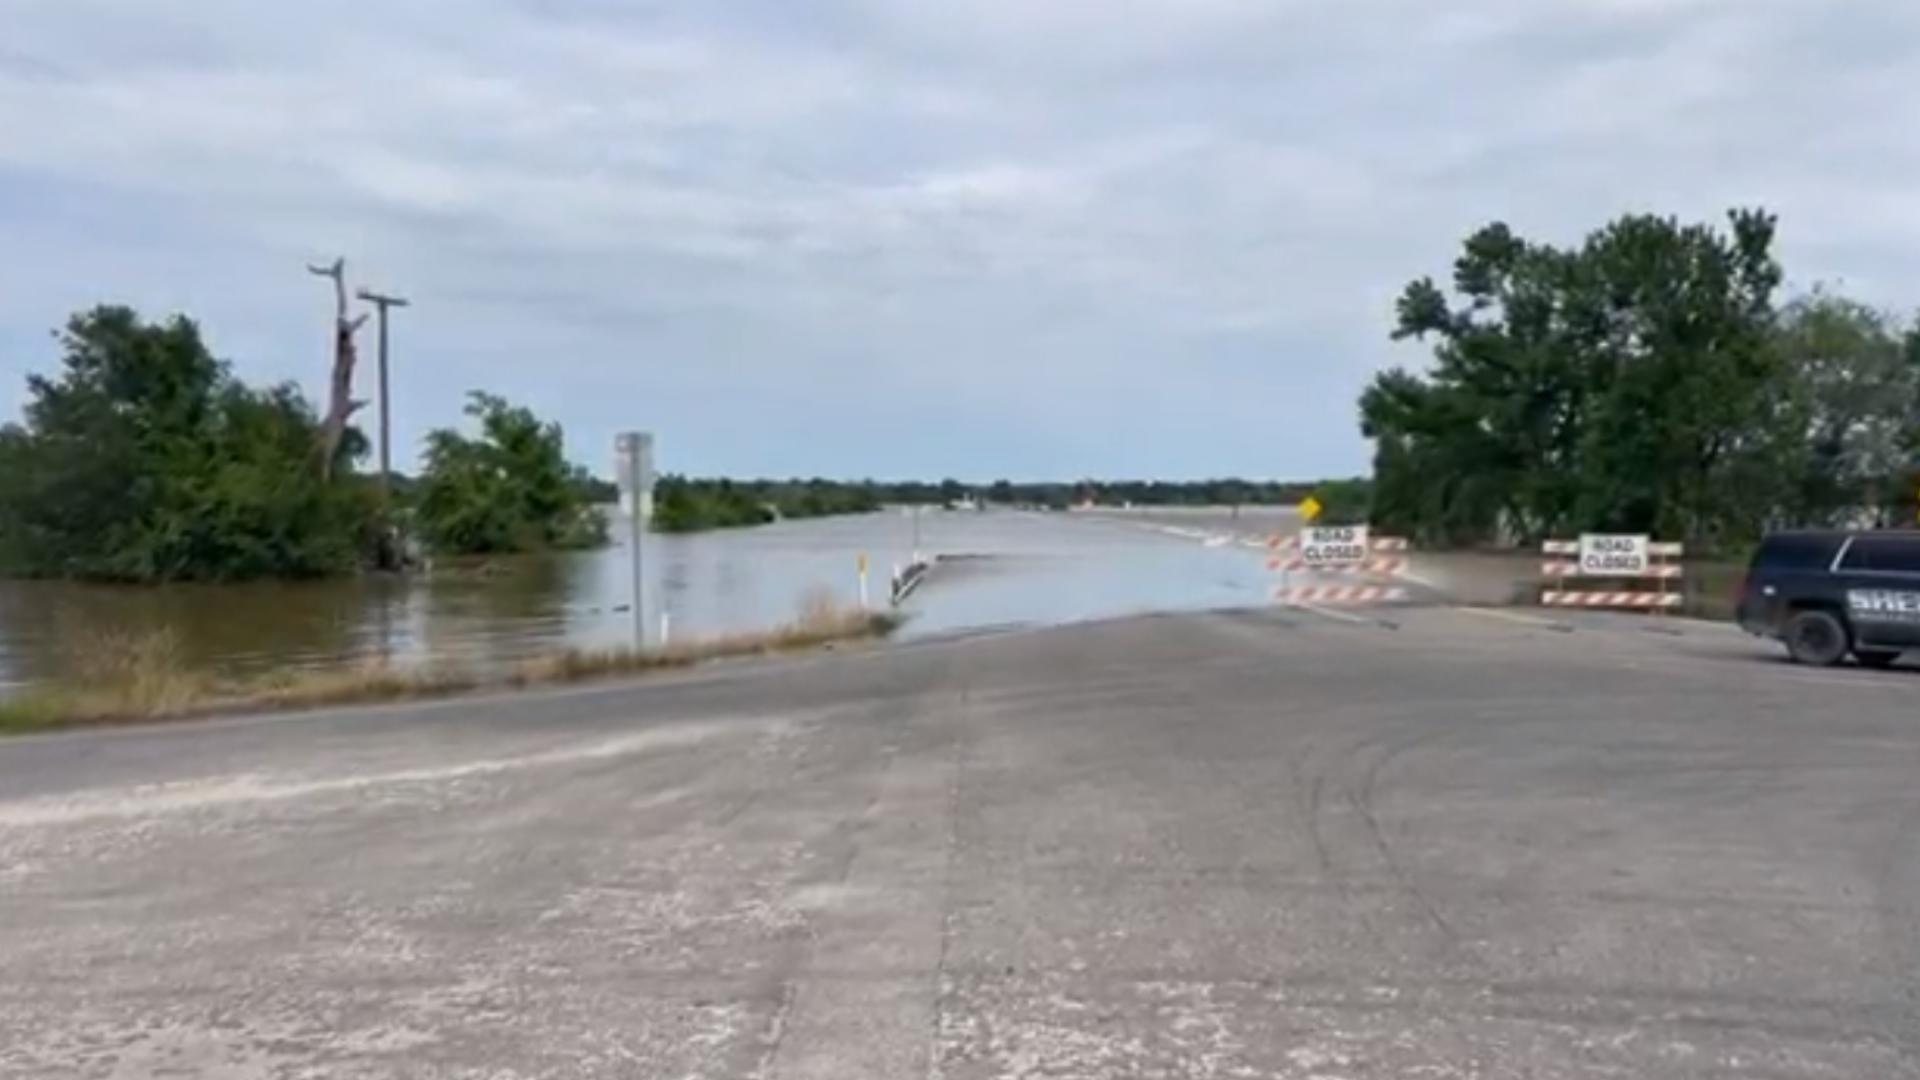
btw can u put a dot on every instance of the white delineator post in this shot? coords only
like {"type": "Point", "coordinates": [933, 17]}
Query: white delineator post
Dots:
{"type": "Point", "coordinates": [863, 581]}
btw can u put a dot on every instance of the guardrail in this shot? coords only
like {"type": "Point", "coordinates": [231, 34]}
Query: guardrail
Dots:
{"type": "Point", "coordinates": [906, 579]}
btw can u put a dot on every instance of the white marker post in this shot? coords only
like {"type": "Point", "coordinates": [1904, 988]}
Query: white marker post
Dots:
{"type": "Point", "coordinates": [633, 463]}
{"type": "Point", "coordinates": [863, 581]}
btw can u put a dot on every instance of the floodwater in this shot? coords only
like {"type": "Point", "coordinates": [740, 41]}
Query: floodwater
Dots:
{"type": "Point", "coordinates": [996, 568]}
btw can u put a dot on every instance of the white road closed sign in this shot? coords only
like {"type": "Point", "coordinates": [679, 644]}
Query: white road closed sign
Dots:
{"type": "Point", "coordinates": [1613, 555]}
{"type": "Point", "coordinates": [1333, 545]}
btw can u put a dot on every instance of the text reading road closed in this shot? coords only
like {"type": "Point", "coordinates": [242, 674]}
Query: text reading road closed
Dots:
{"type": "Point", "coordinates": [1333, 545]}
{"type": "Point", "coordinates": [1610, 555]}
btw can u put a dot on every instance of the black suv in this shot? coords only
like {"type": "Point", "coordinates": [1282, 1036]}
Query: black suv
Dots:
{"type": "Point", "coordinates": [1827, 593]}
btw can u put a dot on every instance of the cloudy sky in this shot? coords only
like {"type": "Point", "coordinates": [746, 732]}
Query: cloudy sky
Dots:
{"type": "Point", "coordinates": [1033, 238]}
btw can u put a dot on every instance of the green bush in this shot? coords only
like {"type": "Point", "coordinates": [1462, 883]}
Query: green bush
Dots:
{"type": "Point", "coordinates": [144, 460]}
{"type": "Point", "coordinates": [508, 490]}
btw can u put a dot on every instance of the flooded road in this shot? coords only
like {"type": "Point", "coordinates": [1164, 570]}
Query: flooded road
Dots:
{"type": "Point", "coordinates": [997, 568]}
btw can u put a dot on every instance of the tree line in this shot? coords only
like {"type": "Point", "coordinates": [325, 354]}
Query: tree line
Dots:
{"type": "Point", "coordinates": [685, 504]}
{"type": "Point", "coordinates": [145, 460]}
{"type": "Point", "coordinates": [1221, 491]}
{"type": "Point", "coordinates": [1650, 379]}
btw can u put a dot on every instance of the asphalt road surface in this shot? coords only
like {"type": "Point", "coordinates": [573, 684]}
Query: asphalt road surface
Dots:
{"type": "Point", "coordinates": [1230, 845]}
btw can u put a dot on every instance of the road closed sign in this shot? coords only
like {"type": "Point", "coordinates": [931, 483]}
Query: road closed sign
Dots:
{"type": "Point", "coordinates": [1613, 555]}
{"type": "Point", "coordinates": [1333, 545]}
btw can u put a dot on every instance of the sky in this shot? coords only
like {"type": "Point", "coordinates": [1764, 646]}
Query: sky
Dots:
{"type": "Point", "coordinates": [909, 238]}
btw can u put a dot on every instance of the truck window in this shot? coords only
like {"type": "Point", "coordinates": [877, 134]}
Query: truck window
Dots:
{"type": "Point", "coordinates": [1884, 555]}
{"type": "Point", "coordinates": [1796, 551]}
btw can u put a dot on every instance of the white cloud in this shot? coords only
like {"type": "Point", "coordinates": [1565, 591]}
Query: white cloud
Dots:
{"type": "Point", "coordinates": [1078, 209]}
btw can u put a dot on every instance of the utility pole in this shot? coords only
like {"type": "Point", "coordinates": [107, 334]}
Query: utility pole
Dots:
{"type": "Point", "coordinates": [383, 301]}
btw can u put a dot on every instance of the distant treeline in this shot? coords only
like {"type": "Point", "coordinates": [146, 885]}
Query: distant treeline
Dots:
{"type": "Point", "coordinates": [683, 504]}
{"type": "Point", "coordinates": [1230, 491]}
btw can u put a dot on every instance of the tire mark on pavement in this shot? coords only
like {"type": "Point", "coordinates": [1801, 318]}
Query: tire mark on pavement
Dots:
{"type": "Point", "coordinates": [949, 886]}
{"type": "Point", "coordinates": [1361, 797]}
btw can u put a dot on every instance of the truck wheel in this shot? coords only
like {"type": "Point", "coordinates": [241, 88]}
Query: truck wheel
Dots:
{"type": "Point", "coordinates": [1879, 659]}
{"type": "Point", "coordinates": [1817, 638]}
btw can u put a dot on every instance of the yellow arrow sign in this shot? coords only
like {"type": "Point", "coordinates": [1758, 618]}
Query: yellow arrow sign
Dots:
{"type": "Point", "coordinates": [1310, 509]}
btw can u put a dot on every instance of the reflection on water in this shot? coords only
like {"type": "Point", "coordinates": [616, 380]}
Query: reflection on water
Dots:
{"type": "Point", "coordinates": [1029, 568]}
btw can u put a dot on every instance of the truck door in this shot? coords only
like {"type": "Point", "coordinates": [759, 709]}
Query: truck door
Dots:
{"type": "Point", "coordinates": [1881, 576]}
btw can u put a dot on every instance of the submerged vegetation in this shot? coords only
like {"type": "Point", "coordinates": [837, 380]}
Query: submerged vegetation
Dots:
{"type": "Point", "coordinates": [507, 489]}
{"type": "Point", "coordinates": [117, 679]}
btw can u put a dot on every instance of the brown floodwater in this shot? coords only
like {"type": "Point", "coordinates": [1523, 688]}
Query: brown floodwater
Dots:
{"type": "Point", "coordinates": [1002, 568]}
{"type": "Point", "coordinates": [1029, 568]}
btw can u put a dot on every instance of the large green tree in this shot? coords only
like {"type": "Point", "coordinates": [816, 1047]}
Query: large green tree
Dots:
{"type": "Point", "coordinates": [1627, 383]}
{"type": "Point", "coordinates": [509, 489]}
{"type": "Point", "coordinates": [143, 459]}
{"type": "Point", "coordinates": [1852, 414]}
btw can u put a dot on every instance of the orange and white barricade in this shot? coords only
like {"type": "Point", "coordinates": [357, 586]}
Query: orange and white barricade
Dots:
{"type": "Point", "coordinates": [1603, 570]}
{"type": "Point", "coordinates": [1350, 555]}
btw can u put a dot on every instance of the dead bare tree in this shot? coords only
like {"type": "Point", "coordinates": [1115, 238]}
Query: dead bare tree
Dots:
{"type": "Point", "coordinates": [340, 401]}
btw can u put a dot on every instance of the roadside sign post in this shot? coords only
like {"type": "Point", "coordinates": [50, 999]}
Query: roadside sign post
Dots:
{"type": "Point", "coordinates": [633, 465]}
{"type": "Point", "coordinates": [1310, 511]}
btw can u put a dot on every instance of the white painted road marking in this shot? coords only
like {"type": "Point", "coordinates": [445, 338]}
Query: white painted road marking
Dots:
{"type": "Point", "coordinates": [213, 792]}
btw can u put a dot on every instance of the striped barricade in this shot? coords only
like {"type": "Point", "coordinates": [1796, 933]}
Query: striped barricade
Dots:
{"type": "Point", "coordinates": [1339, 594]}
{"type": "Point", "coordinates": [1382, 544]}
{"type": "Point", "coordinates": [1585, 569]}
{"type": "Point", "coordinates": [1351, 556]}
{"type": "Point", "coordinates": [1391, 567]}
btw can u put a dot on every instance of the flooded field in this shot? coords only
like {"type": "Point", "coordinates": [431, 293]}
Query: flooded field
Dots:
{"type": "Point", "coordinates": [998, 567]}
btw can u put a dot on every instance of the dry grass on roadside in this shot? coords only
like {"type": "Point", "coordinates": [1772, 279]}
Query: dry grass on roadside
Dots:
{"type": "Point", "coordinates": [142, 677]}
{"type": "Point", "coordinates": [136, 675]}
{"type": "Point", "coordinates": [822, 621]}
